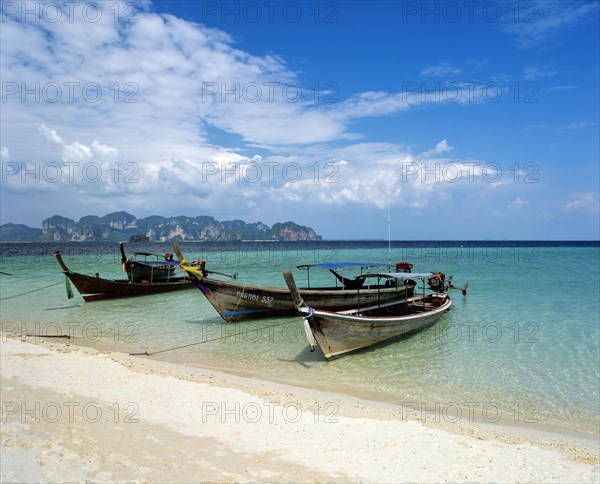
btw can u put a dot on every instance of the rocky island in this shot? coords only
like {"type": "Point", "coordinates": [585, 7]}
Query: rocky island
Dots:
{"type": "Point", "coordinates": [118, 226]}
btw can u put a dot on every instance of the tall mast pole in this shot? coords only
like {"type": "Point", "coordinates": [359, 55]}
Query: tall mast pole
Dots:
{"type": "Point", "coordinates": [389, 235]}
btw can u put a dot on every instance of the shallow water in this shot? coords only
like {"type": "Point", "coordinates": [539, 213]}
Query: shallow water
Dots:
{"type": "Point", "coordinates": [523, 346]}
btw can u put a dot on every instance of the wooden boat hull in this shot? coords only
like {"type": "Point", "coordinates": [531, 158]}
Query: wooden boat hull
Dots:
{"type": "Point", "coordinates": [234, 301]}
{"type": "Point", "coordinates": [94, 288]}
{"type": "Point", "coordinates": [338, 333]}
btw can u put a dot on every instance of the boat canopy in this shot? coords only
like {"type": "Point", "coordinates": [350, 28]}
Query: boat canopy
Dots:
{"type": "Point", "coordinates": [400, 275]}
{"type": "Point", "coordinates": [339, 265]}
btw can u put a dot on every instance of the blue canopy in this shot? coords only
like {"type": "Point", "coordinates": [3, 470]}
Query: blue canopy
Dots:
{"type": "Point", "coordinates": [339, 265]}
{"type": "Point", "coordinates": [401, 275]}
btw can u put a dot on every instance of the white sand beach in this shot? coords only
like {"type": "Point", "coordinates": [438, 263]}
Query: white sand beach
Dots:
{"type": "Point", "coordinates": [73, 413]}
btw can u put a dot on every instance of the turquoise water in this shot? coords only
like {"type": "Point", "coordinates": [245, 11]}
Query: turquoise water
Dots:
{"type": "Point", "coordinates": [522, 347]}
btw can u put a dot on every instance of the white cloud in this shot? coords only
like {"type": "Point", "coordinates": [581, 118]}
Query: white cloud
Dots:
{"type": "Point", "coordinates": [562, 128]}
{"type": "Point", "coordinates": [442, 69]}
{"type": "Point", "coordinates": [441, 147]}
{"type": "Point", "coordinates": [50, 134]}
{"type": "Point", "coordinates": [77, 152]}
{"type": "Point", "coordinates": [4, 154]}
{"type": "Point", "coordinates": [516, 203]}
{"type": "Point", "coordinates": [371, 174]}
{"type": "Point", "coordinates": [586, 202]}
{"type": "Point", "coordinates": [535, 23]}
{"type": "Point", "coordinates": [531, 73]}
{"type": "Point", "coordinates": [374, 104]}
{"type": "Point", "coordinates": [563, 88]}
{"type": "Point", "coordinates": [545, 216]}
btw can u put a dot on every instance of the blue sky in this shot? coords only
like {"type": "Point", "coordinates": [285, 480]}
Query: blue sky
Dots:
{"type": "Point", "coordinates": [472, 120]}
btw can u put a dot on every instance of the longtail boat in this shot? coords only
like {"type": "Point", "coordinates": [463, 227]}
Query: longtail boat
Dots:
{"type": "Point", "coordinates": [141, 269]}
{"type": "Point", "coordinates": [340, 332]}
{"type": "Point", "coordinates": [236, 301]}
{"type": "Point", "coordinates": [94, 288]}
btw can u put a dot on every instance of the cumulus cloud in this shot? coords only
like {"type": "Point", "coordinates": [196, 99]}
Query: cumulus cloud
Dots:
{"type": "Point", "coordinates": [586, 202]}
{"type": "Point", "coordinates": [442, 69]}
{"type": "Point", "coordinates": [516, 203]}
{"type": "Point", "coordinates": [76, 152]}
{"type": "Point", "coordinates": [441, 147]}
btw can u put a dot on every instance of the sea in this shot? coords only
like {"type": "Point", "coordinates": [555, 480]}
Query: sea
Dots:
{"type": "Point", "coordinates": [521, 348]}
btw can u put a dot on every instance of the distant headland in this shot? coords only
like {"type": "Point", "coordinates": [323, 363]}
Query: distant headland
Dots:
{"type": "Point", "coordinates": [122, 226]}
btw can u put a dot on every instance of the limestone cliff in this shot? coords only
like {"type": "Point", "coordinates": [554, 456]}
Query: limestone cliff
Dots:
{"type": "Point", "coordinates": [122, 226]}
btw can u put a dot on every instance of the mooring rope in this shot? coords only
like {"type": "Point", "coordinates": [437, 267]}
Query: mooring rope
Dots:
{"type": "Point", "coordinates": [145, 353]}
{"type": "Point", "coordinates": [33, 335]}
{"type": "Point", "coordinates": [29, 292]}
{"type": "Point", "coordinates": [240, 298]}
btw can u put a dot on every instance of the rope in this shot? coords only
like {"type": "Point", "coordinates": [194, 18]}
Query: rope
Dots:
{"type": "Point", "coordinates": [145, 353]}
{"type": "Point", "coordinates": [29, 292]}
{"type": "Point", "coordinates": [240, 298]}
{"type": "Point", "coordinates": [32, 335]}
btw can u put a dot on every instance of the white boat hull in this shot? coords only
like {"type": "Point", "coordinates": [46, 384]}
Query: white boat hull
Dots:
{"type": "Point", "coordinates": [341, 332]}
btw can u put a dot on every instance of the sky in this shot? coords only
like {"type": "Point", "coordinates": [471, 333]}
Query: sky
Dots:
{"type": "Point", "coordinates": [433, 120]}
